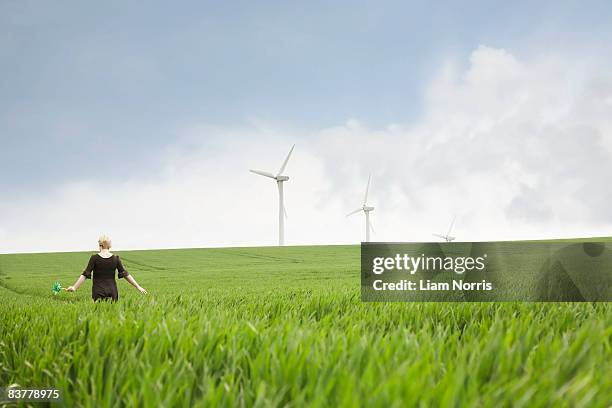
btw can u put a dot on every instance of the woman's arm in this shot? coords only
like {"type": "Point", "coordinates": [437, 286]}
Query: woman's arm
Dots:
{"type": "Point", "coordinates": [85, 275]}
{"type": "Point", "coordinates": [135, 284]}
{"type": "Point", "coordinates": [76, 285]}
{"type": "Point", "coordinates": [126, 275]}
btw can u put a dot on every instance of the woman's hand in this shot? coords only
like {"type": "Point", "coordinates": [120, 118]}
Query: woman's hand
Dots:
{"type": "Point", "coordinates": [70, 289]}
{"type": "Point", "coordinates": [142, 290]}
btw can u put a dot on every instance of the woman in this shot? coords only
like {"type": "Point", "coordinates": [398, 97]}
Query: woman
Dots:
{"type": "Point", "coordinates": [103, 266]}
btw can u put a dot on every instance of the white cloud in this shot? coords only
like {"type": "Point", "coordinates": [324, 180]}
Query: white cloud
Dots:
{"type": "Point", "coordinates": [517, 149]}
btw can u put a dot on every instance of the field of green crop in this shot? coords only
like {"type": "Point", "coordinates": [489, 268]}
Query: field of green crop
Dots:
{"type": "Point", "coordinates": [286, 327]}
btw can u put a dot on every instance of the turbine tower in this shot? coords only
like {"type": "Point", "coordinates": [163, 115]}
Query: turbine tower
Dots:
{"type": "Point", "coordinates": [366, 210]}
{"type": "Point", "coordinates": [280, 179]}
{"type": "Point", "coordinates": [447, 237]}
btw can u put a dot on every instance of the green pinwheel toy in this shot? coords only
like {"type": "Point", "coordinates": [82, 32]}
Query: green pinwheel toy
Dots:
{"type": "Point", "coordinates": [56, 288]}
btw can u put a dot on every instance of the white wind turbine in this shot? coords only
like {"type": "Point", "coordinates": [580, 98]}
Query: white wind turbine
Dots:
{"type": "Point", "coordinates": [447, 237]}
{"type": "Point", "coordinates": [280, 179]}
{"type": "Point", "coordinates": [366, 210]}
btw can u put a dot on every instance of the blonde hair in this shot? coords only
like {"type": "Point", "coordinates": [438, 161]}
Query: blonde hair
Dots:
{"type": "Point", "coordinates": [104, 241]}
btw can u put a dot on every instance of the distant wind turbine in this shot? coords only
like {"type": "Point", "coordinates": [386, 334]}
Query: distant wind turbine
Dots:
{"type": "Point", "coordinates": [366, 210]}
{"type": "Point", "coordinates": [448, 237]}
{"type": "Point", "coordinates": [280, 179]}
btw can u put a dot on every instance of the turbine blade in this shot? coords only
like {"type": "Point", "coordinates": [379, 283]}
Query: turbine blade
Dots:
{"type": "Point", "coordinates": [285, 211]}
{"type": "Point", "coordinates": [263, 173]}
{"type": "Point", "coordinates": [285, 162]}
{"type": "Point", "coordinates": [365, 199]}
{"type": "Point", "coordinates": [439, 236]}
{"type": "Point", "coordinates": [354, 212]}
{"type": "Point", "coordinates": [451, 225]}
{"type": "Point", "coordinates": [451, 238]}
{"type": "Point", "coordinates": [372, 228]}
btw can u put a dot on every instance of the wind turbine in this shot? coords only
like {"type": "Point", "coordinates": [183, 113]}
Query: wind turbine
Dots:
{"type": "Point", "coordinates": [448, 237]}
{"type": "Point", "coordinates": [280, 179]}
{"type": "Point", "coordinates": [366, 210]}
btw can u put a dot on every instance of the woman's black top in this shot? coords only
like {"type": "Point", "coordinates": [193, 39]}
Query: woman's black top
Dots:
{"type": "Point", "coordinates": [104, 284]}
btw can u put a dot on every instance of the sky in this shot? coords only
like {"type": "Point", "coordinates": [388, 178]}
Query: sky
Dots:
{"type": "Point", "coordinates": [142, 122]}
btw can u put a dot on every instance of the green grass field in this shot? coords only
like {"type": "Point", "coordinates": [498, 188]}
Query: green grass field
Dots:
{"type": "Point", "coordinates": [286, 327]}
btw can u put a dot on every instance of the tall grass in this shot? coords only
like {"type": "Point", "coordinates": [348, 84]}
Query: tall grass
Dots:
{"type": "Point", "coordinates": [278, 327]}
